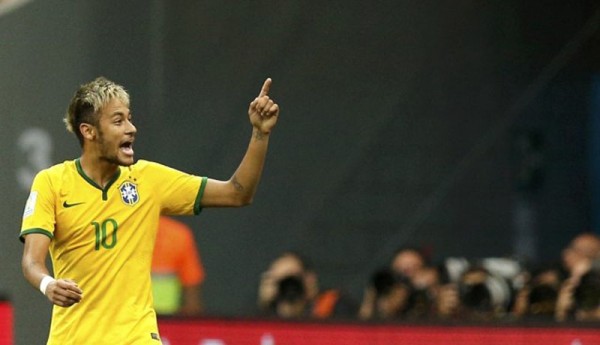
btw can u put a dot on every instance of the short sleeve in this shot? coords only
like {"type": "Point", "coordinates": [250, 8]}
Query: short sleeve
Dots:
{"type": "Point", "coordinates": [39, 214]}
{"type": "Point", "coordinates": [180, 193]}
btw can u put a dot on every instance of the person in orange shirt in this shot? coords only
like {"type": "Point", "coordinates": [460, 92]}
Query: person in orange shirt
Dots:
{"type": "Point", "coordinates": [177, 272]}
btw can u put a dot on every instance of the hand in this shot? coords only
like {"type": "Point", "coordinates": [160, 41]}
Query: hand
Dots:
{"type": "Point", "coordinates": [565, 299]}
{"type": "Point", "coordinates": [267, 290]}
{"type": "Point", "coordinates": [63, 292]}
{"type": "Point", "coordinates": [367, 307]}
{"type": "Point", "coordinates": [521, 305]}
{"type": "Point", "coordinates": [263, 112]}
{"type": "Point", "coordinates": [448, 300]}
{"type": "Point", "coordinates": [580, 268]}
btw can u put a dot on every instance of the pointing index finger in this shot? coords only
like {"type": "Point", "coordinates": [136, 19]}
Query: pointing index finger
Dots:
{"type": "Point", "coordinates": [265, 88]}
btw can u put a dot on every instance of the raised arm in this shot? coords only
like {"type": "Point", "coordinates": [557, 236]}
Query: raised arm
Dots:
{"type": "Point", "coordinates": [62, 292]}
{"type": "Point", "coordinates": [239, 190]}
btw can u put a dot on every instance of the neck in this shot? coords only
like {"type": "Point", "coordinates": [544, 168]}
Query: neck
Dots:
{"type": "Point", "coordinates": [98, 170]}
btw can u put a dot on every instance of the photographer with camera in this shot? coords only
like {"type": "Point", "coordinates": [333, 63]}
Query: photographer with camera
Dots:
{"type": "Point", "coordinates": [389, 295]}
{"type": "Point", "coordinates": [290, 289]}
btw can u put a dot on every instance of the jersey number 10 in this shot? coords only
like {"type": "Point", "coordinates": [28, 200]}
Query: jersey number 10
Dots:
{"type": "Point", "coordinates": [102, 235]}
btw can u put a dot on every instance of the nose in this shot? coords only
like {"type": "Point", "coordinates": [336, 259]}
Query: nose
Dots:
{"type": "Point", "coordinates": [131, 129]}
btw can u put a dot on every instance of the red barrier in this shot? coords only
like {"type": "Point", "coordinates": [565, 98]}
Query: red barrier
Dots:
{"type": "Point", "coordinates": [6, 323]}
{"type": "Point", "coordinates": [247, 332]}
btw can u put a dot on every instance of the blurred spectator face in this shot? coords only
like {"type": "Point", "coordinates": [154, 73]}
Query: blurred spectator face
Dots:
{"type": "Point", "coordinates": [408, 262]}
{"type": "Point", "coordinates": [580, 252]}
{"type": "Point", "coordinates": [288, 265]}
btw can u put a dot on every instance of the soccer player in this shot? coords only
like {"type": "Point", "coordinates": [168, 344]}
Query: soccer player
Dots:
{"type": "Point", "coordinates": [98, 215]}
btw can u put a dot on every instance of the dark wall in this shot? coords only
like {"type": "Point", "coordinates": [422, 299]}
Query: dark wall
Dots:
{"type": "Point", "coordinates": [398, 126]}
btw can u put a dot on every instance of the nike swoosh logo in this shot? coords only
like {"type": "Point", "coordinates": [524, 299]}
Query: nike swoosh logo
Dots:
{"type": "Point", "coordinates": [67, 205]}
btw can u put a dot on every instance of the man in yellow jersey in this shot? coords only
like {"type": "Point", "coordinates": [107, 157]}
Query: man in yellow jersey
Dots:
{"type": "Point", "coordinates": [98, 215]}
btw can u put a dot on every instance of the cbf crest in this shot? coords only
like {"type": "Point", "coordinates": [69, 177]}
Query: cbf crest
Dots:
{"type": "Point", "coordinates": [129, 193]}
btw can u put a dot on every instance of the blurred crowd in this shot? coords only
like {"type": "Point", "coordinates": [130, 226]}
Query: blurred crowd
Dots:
{"type": "Point", "coordinates": [409, 287]}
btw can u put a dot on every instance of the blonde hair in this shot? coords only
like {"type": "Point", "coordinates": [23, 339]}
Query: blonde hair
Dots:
{"type": "Point", "coordinates": [88, 102]}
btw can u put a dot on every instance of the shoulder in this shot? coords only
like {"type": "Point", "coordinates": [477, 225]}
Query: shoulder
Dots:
{"type": "Point", "coordinates": [57, 172]}
{"type": "Point", "coordinates": [141, 165]}
{"type": "Point", "coordinates": [60, 168]}
{"type": "Point", "coordinates": [144, 165]}
{"type": "Point", "coordinates": [144, 168]}
{"type": "Point", "coordinates": [155, 169]}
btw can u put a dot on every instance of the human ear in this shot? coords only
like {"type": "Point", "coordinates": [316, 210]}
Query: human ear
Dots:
{"type": "Point", "coordinates": [87, 131]}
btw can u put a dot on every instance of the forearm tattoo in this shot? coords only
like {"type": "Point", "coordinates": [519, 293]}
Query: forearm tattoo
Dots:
{"type": "Point", "coordinates": [236, 184]}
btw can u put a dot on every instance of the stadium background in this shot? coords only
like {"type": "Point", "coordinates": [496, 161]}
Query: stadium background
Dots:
{"type": "Point", "coordinates": [400, 126]}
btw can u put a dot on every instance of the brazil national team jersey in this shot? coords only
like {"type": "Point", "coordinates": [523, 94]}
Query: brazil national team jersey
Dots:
{"type": "Point", "coordinates": [103, 239]}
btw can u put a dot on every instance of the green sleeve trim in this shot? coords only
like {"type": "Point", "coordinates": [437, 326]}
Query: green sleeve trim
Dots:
{"type": "Point", "coordinates": [197, 207]}
{"type": "Point", "coordinates": [35, 231]}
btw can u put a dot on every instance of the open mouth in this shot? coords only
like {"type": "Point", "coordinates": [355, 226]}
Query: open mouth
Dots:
{"type": "Point", "coordinates": [127, 147]}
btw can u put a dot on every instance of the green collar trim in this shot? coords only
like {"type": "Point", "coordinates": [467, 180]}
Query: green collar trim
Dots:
{"type": "Point", "coordinates": [94, 184]}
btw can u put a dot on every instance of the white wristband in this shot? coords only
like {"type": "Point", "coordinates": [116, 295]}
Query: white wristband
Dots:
{"type": "Point", "coordinates": [44, 283]}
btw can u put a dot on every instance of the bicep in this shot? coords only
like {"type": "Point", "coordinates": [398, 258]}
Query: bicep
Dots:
{"type": "Point", "coordinates": [35, 249]}
{"type": "Point", "coordinates": [219, 193]}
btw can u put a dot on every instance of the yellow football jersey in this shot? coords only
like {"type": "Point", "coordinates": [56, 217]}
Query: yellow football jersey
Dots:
{"type": "Point", "coordinates": [103, 239]}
